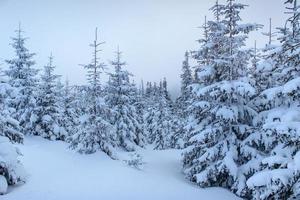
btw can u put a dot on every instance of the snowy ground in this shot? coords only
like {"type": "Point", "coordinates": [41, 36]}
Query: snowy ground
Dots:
{"type": "Point", "coordinates": [56, 173]}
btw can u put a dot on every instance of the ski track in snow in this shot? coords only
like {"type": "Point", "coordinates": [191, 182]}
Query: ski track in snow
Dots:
{"type": "Point", "coordinates": [57, 173]}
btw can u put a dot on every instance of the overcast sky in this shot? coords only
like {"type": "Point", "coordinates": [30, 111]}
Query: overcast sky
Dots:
{"type": "Point", "coordinates": [153, 34]}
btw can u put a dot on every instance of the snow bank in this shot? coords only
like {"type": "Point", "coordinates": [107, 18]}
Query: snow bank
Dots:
{"type": "Point", "coordinates": [9, 162]}
{"type": "Point", "coordinates": [292, 86]}
{"type": "Point", "coordinates": [266, 177]}
{"type": "Point", "coordinates": [3, 185]}
{"type": "Point", "coordinates": [59, 173]}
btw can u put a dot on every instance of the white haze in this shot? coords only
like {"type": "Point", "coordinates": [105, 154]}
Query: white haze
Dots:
{"type": "Point", "coordinates": [153, 34]}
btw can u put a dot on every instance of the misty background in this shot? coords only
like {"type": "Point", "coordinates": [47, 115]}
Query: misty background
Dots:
{"type": "Point", "coordinates": [152, 34]}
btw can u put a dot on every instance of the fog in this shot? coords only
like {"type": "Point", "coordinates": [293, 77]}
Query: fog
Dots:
{"type": "Point", "coordinates": [153, 34]}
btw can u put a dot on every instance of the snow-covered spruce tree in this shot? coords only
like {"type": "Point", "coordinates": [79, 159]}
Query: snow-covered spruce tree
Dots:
{"type": "Point", "coordinates": [216, 155]}
{"type": "Point", "coordinates": [165, 92]}
{"type": "Point", "coordinates": [150, 110]}
{"type": "Point", "coordinates": [206, 73]}
{"type": "Point", "coordinates": [69, 117]}
{"type": "Point", "coordinates": [140, 104]}
{"type": "Point", "coordinates": [22, 76]}
{"type": "Point", "coordinates": [180, 110]}
{"type": "Point", "coordinates": [159, 116]}
{"type": "Point", "coordinates": [177, 132]}
{"type": "Point", "coordinates": [277, 138]}
{"type": "Point", "coordinates": [162, 122]}
{"type": "Point", "coordinates": [47, 110]}
{"type": "Point", "coordinates": [80, 99]}
{"type": "Point", "coordinates": [175, 114]}
{"type": "Point", "coordinates": [150, 114]}
{"type": "Point", "coordinates": [59, 94]}
{"type": "Point", "coordinates": [94, 131]}
{"type": "Point", "coordinates": [162, 131]}
{"type": "Point", "coordinates": [263, 69]}
{"type": "Point", "coordinates": [252, 70]}
{"type": "Point", "coordinates": [120, 94]}
{"type": "Point", "coordinates": [148, 90]}
{"type": "Point", "coordinates": [203, 76]}
{"type": "Point", "coordinates": [185, 92]}
{"type": "Point", "coordinates": [10, 167]}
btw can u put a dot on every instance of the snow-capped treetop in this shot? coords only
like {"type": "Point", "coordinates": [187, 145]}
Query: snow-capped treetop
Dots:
{"type": "Point", "coordinates": [22, 76]}
{"type": "Point", "coordinates": [20, 67]}
{"type": "Point", "coordinates": [96, 67]}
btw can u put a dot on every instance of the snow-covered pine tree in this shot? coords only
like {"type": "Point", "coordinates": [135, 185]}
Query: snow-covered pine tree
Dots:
{"type": "Point", "coordinates": [159, 116]}
{"type": "Point", "coordinates": [22, 76]}
{"type": "Point", "coordinates": [9, 126]}
{"type": "Point", "coordinates": [69, 117]}
{"type": "Point", "coordinates": [148, 90]}
{"type": "Point", "coordinates": [270, 34]}
{"type": "Point", "coordinates": [80, 99]}
{"type": "Point", "coordinates": [150, 112]}
{"type": "Point", "coordinates": [203, 75]}
{"type": "Point", "coordinates": [169, 116]}
{"type": "Point", "coordinates": [277, 135]}
{"type": "Point", "coordinates": [119, 99]}
{"type": "Point", "coordinates": [94, 131]}
{"type": "Point", "coordinates": [185, 92]}
{"type": "Point", "coordinates": [206, 73]}
{"type": "Point", "coordinates": [255, 58]}
{"type": "Point", "coordinates": [59, 91]}
{"type": "Point", "coordinates": [10, 166]}
{"type": "Point", "coordinates": [138, 102]}
{"type": "Point", "coordinates": [60, 99]}
{"type": "Point", "coordinates": [163, 129]}
{"type": "Point", "coordinates": [177, 137]}
{"type": "Point", "coordinates": [47, 110]}
{"type": "Point", "coordinates": [140, 105]}
{"type": "Point", "coordinates": [165, 92]}
{"type": "Point", "coordinates": [162, 122]}
{"type": "Point", "coordinates": [180, 110]}
{"type": "Point", "coordinates": [215, 155]}
{"type": "Point", "coordinates": [177, 132]}
{"type": "Point", "coordinates": [263, 65]}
